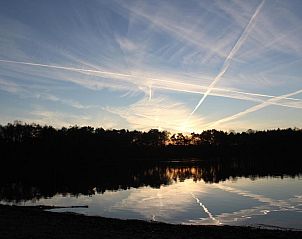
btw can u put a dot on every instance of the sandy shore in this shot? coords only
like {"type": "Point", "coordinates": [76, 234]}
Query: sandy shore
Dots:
{"type": "Point", "coordinates": [33, 222]}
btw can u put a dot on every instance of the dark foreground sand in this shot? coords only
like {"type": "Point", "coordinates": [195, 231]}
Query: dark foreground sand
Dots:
{"type": "Point", "coordinates": [23, 222]}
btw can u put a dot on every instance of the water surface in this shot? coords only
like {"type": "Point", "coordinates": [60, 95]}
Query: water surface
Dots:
{"type": "Point", "coordinates": [187, 192]}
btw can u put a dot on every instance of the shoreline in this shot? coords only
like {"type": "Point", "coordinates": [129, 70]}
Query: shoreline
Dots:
{"type": "Point", "coordinates": [35, 222]}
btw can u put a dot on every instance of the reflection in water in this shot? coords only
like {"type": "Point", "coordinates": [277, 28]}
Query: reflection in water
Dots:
{"type": "Point", "coordinates": [29, 183]}
{"type": "Point", "coordinates": [187, 192]}
{"type": "Point", "coordinates": [268, 206]}
{"type": "Point", "coordinates": [180, 174]}
{"type": "Point", "coordinates": [206, 210]}
{"type": "Point", "coordinates": [192, 202]}
{"type": "Point", "coordinates": [96, 180]}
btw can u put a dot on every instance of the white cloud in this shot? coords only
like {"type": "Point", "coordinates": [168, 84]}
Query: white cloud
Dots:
{"type": "Point", "coordinates": [174, 48]}
{"type": "Point", "coordinates": [161, 113]}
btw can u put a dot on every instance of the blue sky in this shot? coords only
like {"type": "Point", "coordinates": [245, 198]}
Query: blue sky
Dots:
{"type": "Point", "coordinates": [172, 65]}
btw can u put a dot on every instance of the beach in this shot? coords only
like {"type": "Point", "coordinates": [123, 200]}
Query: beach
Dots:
{"type": "Point", "coordinates": [35, 222]}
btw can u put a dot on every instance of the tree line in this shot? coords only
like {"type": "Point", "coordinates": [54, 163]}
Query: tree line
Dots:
{"type": "Point", "coordinates": [30, 141]}
{"type": "Point", "coordinates": [42, 160]}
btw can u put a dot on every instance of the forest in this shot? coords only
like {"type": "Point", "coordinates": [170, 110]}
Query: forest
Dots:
{"type": "Point", "coordinates": [21, 141]}
{"type": "Point", "coordinates": [40, 161]}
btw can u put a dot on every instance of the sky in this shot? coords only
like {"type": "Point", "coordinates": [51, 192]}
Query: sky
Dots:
{"type": "Point", "coordinates": [181, 66]}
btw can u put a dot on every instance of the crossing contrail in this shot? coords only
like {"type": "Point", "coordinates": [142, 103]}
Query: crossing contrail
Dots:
{"type": "Point", "coordinates": [66, 68]}
{"type": "Point", "coordinates": [171, 85]}
{"type": "Point", "coordinates": [228, 59]}
{"type": "Point", "coordinates": [253, 109]}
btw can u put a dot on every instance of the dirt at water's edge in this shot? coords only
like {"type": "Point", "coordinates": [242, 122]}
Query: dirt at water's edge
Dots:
{"type": "Point", "coordinates": [33, 222]}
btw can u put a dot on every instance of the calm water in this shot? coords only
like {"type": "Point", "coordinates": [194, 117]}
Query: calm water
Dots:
{"type": "Point", "coordinates": [188, 195]}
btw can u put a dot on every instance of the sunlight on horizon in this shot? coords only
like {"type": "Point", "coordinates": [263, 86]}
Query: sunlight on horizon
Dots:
{"type": "Point", "coordinates": [182, 67]}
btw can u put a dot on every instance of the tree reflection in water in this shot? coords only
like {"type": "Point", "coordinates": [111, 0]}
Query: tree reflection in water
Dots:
{"type": "Point", "coordinates": [33, 182]}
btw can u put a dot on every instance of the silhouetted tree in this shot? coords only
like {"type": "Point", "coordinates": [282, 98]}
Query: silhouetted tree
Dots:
{"type": "Point", "coordinates": [30, 141]}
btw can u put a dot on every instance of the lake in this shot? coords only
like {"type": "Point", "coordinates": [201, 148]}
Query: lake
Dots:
{"type": "Point", "coordinates": [175, 192]}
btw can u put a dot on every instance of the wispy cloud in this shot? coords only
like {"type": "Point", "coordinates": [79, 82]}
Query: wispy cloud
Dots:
{"type": "Point", "coordinates": [251, 109]}
{"type": "Point", "coordinates": [160, 204]}
{"type": "Point", "coordinates": [161, 113]}
{"type": "Point", "coordinates": [10, 86]}
{"type": "Point", "coordinates": [58, 118]}
{"type": "Point", "coordinates": [137, 49]}
{"type": "Point", "coordinates": [152, 113]}
{"type": "Point", "coordinates": [229, 57]}
{"type": "Point", "coordinates": [146, 82]}
{"type": "Point", "coordinates": [30, 92]}
{"type": "Point", "coordinates": [192, 30]}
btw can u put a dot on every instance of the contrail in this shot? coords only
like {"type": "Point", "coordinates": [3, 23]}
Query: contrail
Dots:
{"type": "Point", "coordinates": [171, 85]}
{"type": "Point", "coordinates": [294, 103]}
{"type": "Point", "coordinates": [150, 93]}
{"type": "Point", "coordinates": [205, 209]}
{"type": "Point", "coordinates": [227, 61]}
{"type": "Point", "coordinates": [211, 86]}
{"type": "Point", "coordinates": [66, 68]}
{"type": "Point", "coordinates": [258, 197]}
{"type": "Point", "coordinates": [253, 109]}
